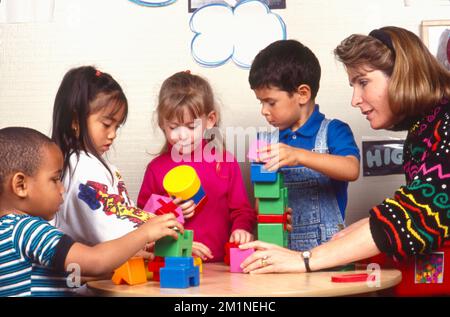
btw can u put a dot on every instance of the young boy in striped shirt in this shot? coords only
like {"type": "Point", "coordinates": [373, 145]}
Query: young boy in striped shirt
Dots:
{"type": "Point", "coordinates": [33, 254]}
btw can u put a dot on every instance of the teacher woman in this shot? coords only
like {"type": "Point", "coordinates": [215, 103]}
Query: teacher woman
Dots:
{"type": "Point", "coordinates": [397, 85]}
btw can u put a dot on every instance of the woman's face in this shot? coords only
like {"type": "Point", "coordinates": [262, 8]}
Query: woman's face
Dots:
{"type": "Point", "coordinates": [370, 95]}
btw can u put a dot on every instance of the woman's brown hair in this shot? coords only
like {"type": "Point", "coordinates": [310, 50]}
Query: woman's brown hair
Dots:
{"type": "Point", "coordinates": [417, 81]}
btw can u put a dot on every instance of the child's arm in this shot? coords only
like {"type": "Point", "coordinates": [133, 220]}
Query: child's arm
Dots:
{"type": "Point", "coordinates": [105, 257]}
{"type": "Point", "coordinates": [343, 168]}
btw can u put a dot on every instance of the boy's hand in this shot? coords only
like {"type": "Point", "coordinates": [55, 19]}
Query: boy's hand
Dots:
{"type": "Point", "coordinates": [201, 250]}
{"type": "Point", "coordinates": [289, 219]}
{"type": "Point", "coordinates": [188, 207]}
{"type": "Point", "coordinates": [241, 236]}
{"type": "Point", "coordinates": [161, 226]}
{"type": "Point", "coordinates": [278, 155]}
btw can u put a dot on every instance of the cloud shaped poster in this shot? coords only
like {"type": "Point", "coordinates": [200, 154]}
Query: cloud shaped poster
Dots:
{"type": "Point", "coordinates": [222, 32]}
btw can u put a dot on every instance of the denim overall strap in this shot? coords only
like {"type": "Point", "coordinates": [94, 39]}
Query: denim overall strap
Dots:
{"type": "Point", "coordinates": [316, 215]}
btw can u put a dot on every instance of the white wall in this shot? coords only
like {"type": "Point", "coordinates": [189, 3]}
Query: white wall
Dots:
{"type": "Point", "coordinates": [142, 46]}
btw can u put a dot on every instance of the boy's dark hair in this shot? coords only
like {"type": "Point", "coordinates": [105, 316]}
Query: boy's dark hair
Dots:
{"type": "Point", "coordinates": [20, 151]}
{"type": "Point", "coordinates": [74, 102]}
{"type": "Point", "coordinates": [285, 64]}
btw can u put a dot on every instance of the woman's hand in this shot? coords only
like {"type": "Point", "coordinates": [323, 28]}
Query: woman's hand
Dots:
{"type": "Point", "coordinates": [201, 250]}
{"type": "Point", "coordinates": [278, 155]}
{"type": "Point", "coordinates": [269, 258]}
{"type": "Point", "coordinates": [241, 236]}
{"type": "Point", "coordinates": [188, 207]}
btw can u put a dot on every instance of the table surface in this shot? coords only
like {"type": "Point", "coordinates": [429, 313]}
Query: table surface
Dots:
{"type": "Point", "coordinates": [217, 281]}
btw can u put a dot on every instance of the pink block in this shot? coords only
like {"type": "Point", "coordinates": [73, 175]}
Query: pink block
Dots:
{"type": "Point", "coordinates": [154, 204]}
{"type": "Point", "coordinates": [237, 256]}
{"type": "Point", "coordinates": [254, 147]}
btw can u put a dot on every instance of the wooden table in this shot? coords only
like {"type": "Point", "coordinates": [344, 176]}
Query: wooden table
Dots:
{"type": "Point", "coordinates": [217, 281]}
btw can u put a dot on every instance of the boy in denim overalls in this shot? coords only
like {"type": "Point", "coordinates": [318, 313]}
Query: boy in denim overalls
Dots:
{"type": "Point", "coordinates": [318, 156]}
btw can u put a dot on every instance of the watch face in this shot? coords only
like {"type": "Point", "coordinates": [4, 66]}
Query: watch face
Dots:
{"type": "Point", "coordinates": [306, 254]}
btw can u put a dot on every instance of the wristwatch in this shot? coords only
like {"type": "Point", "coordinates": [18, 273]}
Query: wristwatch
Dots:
{"type": "Point", "coordinates": [306, 255]}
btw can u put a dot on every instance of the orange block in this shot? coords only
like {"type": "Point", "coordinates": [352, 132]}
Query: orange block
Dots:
{"type": "Point", "coordinates": [131, 272]}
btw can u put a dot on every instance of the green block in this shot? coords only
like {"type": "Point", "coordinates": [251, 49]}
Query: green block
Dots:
{"type": "Point", "coordinates": [273, 206]}
{"type": "Point", "coordinates": [273, 233]}
{"type": "Point", "coordinates": [168, 246]}
{"type": "Point", "coordinates": [269, 190]}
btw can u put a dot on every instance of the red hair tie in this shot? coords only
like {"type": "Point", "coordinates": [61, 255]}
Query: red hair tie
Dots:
{"type": "Point", "coordinates": [98, 73]}
{"type": "Point", "coordinates": [187, 71]}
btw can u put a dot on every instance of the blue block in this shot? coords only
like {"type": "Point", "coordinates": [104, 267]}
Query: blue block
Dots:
{"type": "Point", "coordinates": [259, 174]}
{"type": "Point", "coordinates": [179, 272]}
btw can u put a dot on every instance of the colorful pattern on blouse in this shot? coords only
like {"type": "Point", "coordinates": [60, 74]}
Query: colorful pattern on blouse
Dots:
{"type": "Point", "coordinates": [417, 219]}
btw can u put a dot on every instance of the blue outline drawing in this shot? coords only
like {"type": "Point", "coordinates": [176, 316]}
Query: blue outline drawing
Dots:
{"type": "Point", "coordinates": [231, 56]}
{"type": "Point", "coordinates": [153, 3]}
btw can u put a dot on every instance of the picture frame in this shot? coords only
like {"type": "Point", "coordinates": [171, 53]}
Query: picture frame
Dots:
{"type": "Point", "coordinates": [195, 4]}
{"type": "Point", "coordinates": [436, 36]}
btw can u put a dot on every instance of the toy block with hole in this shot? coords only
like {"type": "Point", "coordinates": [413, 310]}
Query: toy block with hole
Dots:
{"type": "Point", "coordinates": [155, 266]}
{"type": "Point", "coordinates": [228, 246]}
{"type": "Point", "coordinates": [269, 190]}
{"type": "Point", "coordinates": [198, 262]}
{"type": "Point", "coordinates": [179, 272]}
{"type": "Point", "coordinates": [259, 174]}
{"type": "Point", "coordinates": [273, 206]}
{"type": "Point", "coordinates": [273, 233]}
{"type": "Point", "coordinates": [168, 246]}
{"type": "Point", "coordinates": [237, 256]}
{"type": "Point", "coordinates": [160, 205]}
{"type": "Point", "coordinates": [131, 272]}
{"type": "Point", "coordinates": [183, 181]}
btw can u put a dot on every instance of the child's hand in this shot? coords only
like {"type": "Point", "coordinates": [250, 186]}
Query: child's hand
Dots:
{"type": "Point", "coordinates": [201, 250]}
{"type": "Point", "coordinates": [278, 155]}
{"type": "Point", "coordinates": [187, 207]}
{"type": "Point", "coordinates": [161, 226]}
{"type": "Point", "coordinates": [240, 236]}
{"type": "Point", "coordinates": [289, 219]}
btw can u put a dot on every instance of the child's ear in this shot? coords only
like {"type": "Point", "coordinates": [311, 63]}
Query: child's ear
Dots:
{"type": "Point", "coordinates": [304, 93]}
{"type": "Point", "coordinates": [19, 185]}
{"type": "Point", "coordinates": [211, 120]}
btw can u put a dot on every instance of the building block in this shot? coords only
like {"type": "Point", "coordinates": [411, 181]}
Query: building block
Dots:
{"type": "Point", "coordinates": [228, 246]}
{"type": "Point", "coordinates": [237, 256]}
{"type": "Point", "coordinates": [155, 266]}
{"type": "Point", "coordinates": [273, 206]}
{"type": "Point", "coordinates": [179, 272]}
{"type": "Point", "coordinates": [168, 246]}
{"type": "Point", "coordinates": [131, 272]}
{"type": "Point", "coordinates": [198, 262]}
{"type": "Point", "coordinates": [160, 205]}
{"type": "Point", "coordinates": [274, 219]}
{"type": "Point", "coordinates": [259, 174]}
{"type": "Point", "coordinates": [269, 190]}
{"type": "Point", "coordinates": [183, 181]}
{"type": "Point", "coordinates": [273, 233]}
{"type": "Point", "coordinates": [256, 145]}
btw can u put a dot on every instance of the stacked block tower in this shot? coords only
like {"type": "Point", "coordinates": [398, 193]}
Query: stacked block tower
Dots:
{"type": "Point", "coordinates": [269, 189]}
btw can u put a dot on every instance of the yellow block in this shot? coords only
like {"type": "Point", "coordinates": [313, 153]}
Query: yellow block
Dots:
{"type": "Point", "coordinates": [182, 181]}
{"type": "Point", "coordinates": [198, 262]}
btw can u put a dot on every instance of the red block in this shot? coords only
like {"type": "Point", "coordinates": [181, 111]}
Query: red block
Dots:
{"type": "Point", "coordinates": [155, 265]}
{"type": "Point", "coordinates": [273, 219]}
{"type": "Point", "coordinates": [228, 246]}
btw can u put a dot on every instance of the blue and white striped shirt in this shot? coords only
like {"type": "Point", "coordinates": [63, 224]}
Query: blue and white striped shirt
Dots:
{"type": "Point", "coordinates": [32, 255]}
